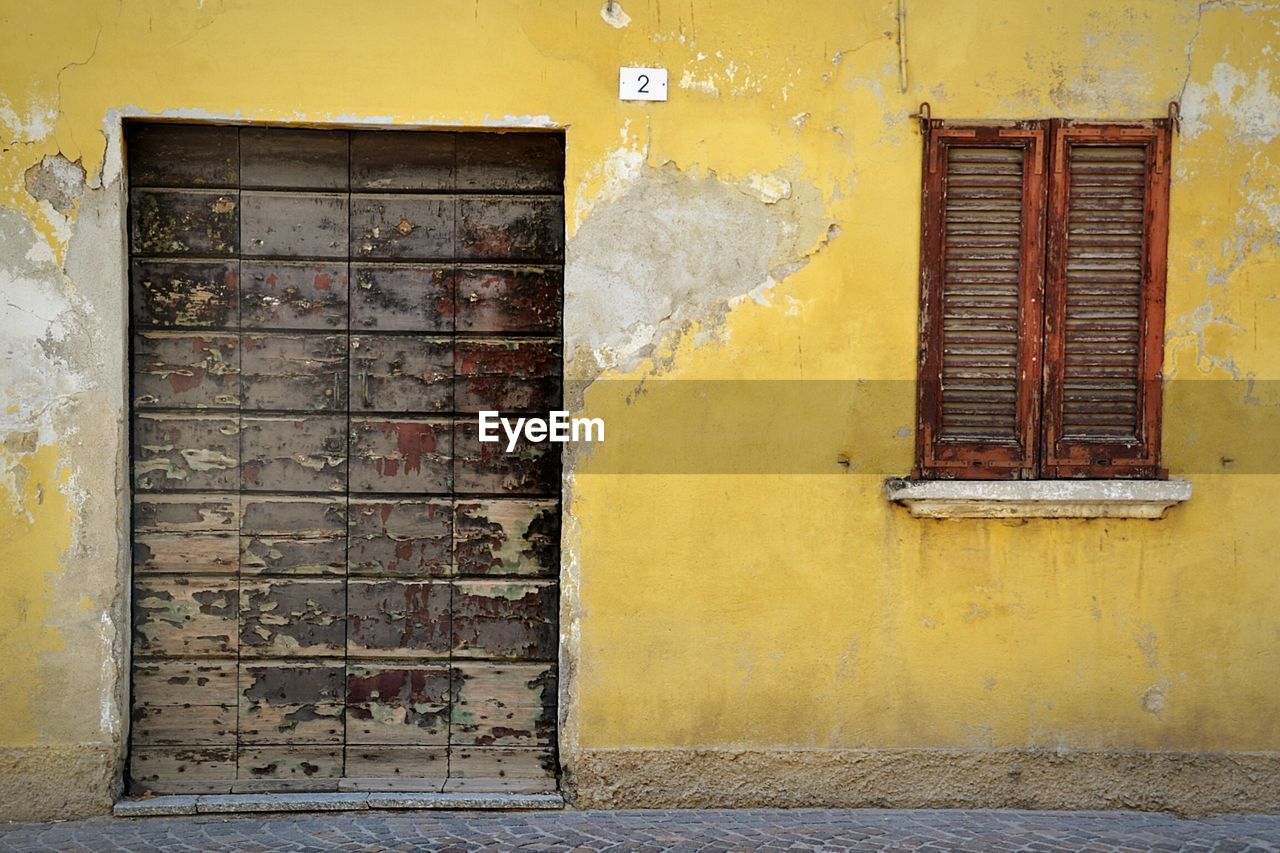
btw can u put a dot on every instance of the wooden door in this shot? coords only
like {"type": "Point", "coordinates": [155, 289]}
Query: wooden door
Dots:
{"type": "Point", "coordinates": [336, 585]}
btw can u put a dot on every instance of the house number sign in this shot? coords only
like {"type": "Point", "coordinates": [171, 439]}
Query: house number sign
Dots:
{"type": "Point", "coordinates": [642, 84]}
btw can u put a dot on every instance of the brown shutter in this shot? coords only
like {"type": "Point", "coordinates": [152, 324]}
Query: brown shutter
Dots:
{"type": "Point", "coordinates": [1104, 299]}
{"type": "Point", "coordinates": [981, 278]}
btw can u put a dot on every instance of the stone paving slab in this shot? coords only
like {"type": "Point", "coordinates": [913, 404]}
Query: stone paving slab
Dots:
{"type": "Point", "coordinates": [657, 830]}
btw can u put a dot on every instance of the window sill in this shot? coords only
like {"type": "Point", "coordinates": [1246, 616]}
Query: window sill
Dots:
{"type": "Point", "coordinates": [1038, 498]}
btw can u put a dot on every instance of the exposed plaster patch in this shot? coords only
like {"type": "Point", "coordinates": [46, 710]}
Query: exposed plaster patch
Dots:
{"type": "Point", "coordinates": [1250, 105]}
{"type": "Point", "coordinates": [770, 189]}
{"type": "Point", "coordinates": [614, 15]}
{"type": "Point", "coordinates": [1190, 332]}
{"type": "Point", "coordinates": [1153, 700]}
{"type": "Point", "coordinates": [108, 711]}
{"type": "Point", "coordinates": [705, 85]}
{"type": "Point", "coordinates": [38, 314]}
{"type": "Point", "coordinates": [62, 387]}
{"type": "Point", "coordinates": [37, 123]}
{"type": "Point", "coordinates": [57, 180]}
{"type": "Point", "coordinates": [674, 252]}
{"type": "Point", "coordinates": [615, 174]}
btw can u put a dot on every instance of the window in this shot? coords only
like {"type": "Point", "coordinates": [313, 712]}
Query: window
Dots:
{"type": "Point", "coordinates": [1042, 300]}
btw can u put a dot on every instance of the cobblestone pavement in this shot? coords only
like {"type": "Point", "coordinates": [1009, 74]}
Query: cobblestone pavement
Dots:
{"type": "Point", "coordinates": [868, 829]}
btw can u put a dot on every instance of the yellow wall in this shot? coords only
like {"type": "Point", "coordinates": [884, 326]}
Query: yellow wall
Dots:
{"type": "Point", "coordinates": [714, 610]}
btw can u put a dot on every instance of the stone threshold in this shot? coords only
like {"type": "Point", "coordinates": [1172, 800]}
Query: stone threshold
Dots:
{"type": "Point", "coordinates": [1149, 499]}
{"type": "Point", "coordinates": [191, 804]}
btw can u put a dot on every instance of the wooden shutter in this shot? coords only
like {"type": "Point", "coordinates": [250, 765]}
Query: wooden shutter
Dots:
{"type": "Point", "coordinates": [981, 263]}
{"type": "Point", "coordinates": [1104, 301]}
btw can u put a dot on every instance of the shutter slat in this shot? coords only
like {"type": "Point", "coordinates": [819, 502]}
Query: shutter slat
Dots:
{"type": "Point", "coordinates": [983, 228]}
{"type": "Point", "coordinates": [1106, 185]}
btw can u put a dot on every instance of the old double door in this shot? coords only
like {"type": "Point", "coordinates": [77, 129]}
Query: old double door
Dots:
{"type": "Point", "coordinates": [336, 585]}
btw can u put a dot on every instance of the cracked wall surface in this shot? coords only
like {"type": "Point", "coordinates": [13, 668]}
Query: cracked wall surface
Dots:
{"type": "Point", "coordinates": [765, 636]}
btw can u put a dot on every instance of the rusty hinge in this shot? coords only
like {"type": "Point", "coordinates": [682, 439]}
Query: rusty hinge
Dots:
{"type": "Point", "coordinates": [1175, 116]}
{"type": "Point", "coordinates": [925, 115]}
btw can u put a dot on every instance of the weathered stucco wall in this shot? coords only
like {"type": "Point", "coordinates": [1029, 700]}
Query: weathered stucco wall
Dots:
{"type": "Point", "coordinates": [782, 634]}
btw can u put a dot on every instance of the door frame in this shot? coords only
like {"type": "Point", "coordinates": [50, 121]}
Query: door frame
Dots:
{"type": "Point", "coordinates": [116, 279]}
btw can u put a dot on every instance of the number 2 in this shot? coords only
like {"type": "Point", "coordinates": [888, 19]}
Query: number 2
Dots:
{"type": "Point", "coordinates": [644, 81]}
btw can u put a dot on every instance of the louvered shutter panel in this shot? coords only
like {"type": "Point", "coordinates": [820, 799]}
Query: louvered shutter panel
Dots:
{"type": "Point", "coordinates": [982, 263]}
{"type": "Point", "coordinates": [1104, 299]}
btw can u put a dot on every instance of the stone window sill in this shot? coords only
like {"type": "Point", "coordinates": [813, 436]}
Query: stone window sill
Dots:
{"type": "Point", "coordinates": [1038, 498]}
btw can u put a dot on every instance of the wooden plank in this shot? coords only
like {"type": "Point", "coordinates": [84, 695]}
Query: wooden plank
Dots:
{"type": "Point", "coordinates": [184, 222]}
{"type": "Point", "coordinates": [275, 515]}
{"type": "Point", "coordinates": [295, 617]}
{"type": "Point", "coordinates": [501, 769]}
{"type": "Point", "coordinates": [182, 770]}
{"type": "Point", "coordinates": [396, 768]}
{"type": "Point", "coordinates": [510, 228]}
{"type": "Point", "coordinates": [297, 767]}
{"type": "Point", "coordinates": [158, 683]}
{"type": "Point", "coordinates": [397, 617]}
{"type": "Point", "coordinates": [182, 155]}
{"type": "Point", "coordinates": [293, 224]}
{"type": "Point", "coordinates": [295, 158]}
{"type": "Point", "coordinates": [487, 468]}
{"type": "Point", "coordinates": [402, 297]}
{"type": "Point", "coordinates": [154, 513]}
{"type": "Point", "coordinates": [190, 453]}
{"type": "Point", "coordinates": [302, 454]}
{"type": "Point", "coordinates": [185, 294]}
{"type": "Point", "coordinates": [184, 617]}
{"type": "Point", "coordinates": [408, 538]}
{"type": "Point", "coordinates": [398, 704]}
{"type": "Point", "coordinates": [402, 160]}
{"type": "Point", "coordinates": [183, 725]}
{"type": "Point", "coordinates": [188, 370]}
{"type": "Point", "coordinates": [186, 553]}
{"type": "Point", "coordinates": [507, 537]}
{"type": "Point", "coordinates": [509, 299]}
{"type": "Point", "coordinates": [294, 295]}
{"type": "Point", "coordinates": [502, 704]}
{"type": "Point", "coordinates": [292, 555]}
{"type": "Point", "coordinates": [520, 162]}
{"type": "Point", "coordinates": [293, 536]}
{"type": "Point", "coordinates": [291, 702]}
{"type": "Point", "coordinates": [401, 373]}
{"type": "Point", "coordinates": [402, 226]}
{"type": "Point", "coordinates": [507, 375]}
{"type": "Point", "coordinates": [400, 455]}
{"type": "Point", "coordinates": [304, 373]}
{"type": "Point", "coordinates": [505, 619]}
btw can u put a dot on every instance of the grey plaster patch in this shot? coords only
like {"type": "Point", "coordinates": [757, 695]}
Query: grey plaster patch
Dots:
{"type": "Point", "coordinates": [319, 802]}
{"type": "Point", "coordinates": [57, 180]}
{"type": "Point", "coordinates": [674, 250]}
{"type": "Point", "coordinates": [155, 806]}
{"type": "Point", "coordinates": [62, 385]}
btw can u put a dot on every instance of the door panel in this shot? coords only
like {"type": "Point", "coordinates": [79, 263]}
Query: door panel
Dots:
{"type": "Point", "coordinates": [336, 585]}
